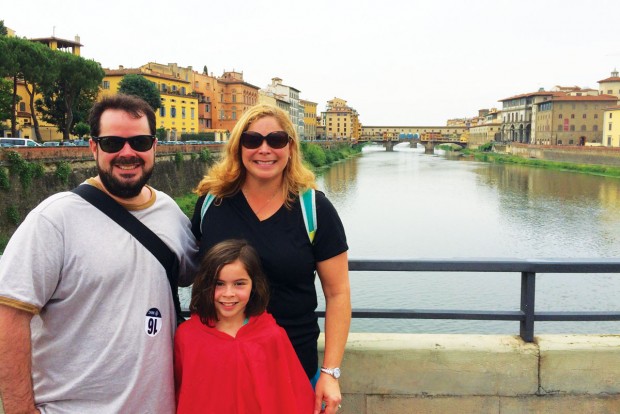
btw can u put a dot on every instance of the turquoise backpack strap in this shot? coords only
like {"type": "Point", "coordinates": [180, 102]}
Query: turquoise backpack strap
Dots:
{"type": "Point", "coordinates": [205, 205]}
{"type": "Point", "coordinates": [307, 199]}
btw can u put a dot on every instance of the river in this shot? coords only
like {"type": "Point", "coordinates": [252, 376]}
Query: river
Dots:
{"type": "Point", "coordinates": [409, 205]}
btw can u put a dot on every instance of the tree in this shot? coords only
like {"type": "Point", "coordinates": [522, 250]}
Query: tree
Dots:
{"type": "Point", "coordinates": [71, 96]}
{"type": "Point", "coordinates": [38, 69]}
{"type": "Point", "coordinates": [6, 99]}
{"type": "Point", "coordinates": [205, 71]}
{"type": "Point", "coordinates": [9, 68]}
{"type": "Point", "coordinates": [81, 129]}
{"type": "Point", "coordinates": [141, 87]}
{"type": "Point", "coordinates": [3, 30]}
{"type": "Point", "coordinates": [161, 134]}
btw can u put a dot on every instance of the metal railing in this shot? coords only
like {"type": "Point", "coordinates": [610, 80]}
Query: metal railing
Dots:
{"type": "Point", "coordinates": [528, 269]}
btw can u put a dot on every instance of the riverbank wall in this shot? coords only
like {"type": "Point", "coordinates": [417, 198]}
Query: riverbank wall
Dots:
{"type": "Point", "coordinates": [562, 153]}
{"type": "Point", "coordinates": [480, 374]}
{"type": "Point", "coordinates": [176, 173]}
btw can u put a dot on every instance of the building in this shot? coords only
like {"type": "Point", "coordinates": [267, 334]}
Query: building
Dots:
{"type": "Point", "coordinates": [233, 96]}
{"type": "Point", "coordinates": [611, 124]}
{"type": "Point", "coordinates": [341, 121]}
{"type": "Point", "coordinates": [486, 129]}
{"type": "Point", "coordinates": [518, 118]}
{"type": "Point", "coordinates": [611, 85]}
{"type": "Point", "coordinates": [178, 113]}
{"type": "Point", "coordinates": [289, 95]}
{"type": "Point", "coordinates": [572, 120]}
{"type": "Point", "coordinates": [309, 120]}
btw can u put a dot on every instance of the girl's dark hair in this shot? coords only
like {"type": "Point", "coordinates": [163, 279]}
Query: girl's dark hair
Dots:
{"type": "Point", "coordinates": [218, 256]}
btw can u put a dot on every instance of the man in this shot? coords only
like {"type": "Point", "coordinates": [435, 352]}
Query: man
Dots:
{"type": "Point", "coordinates": [86, 313]}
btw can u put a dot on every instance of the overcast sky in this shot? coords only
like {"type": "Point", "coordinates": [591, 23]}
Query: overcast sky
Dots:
{"type": "Point", "coordinates": [397, 62]}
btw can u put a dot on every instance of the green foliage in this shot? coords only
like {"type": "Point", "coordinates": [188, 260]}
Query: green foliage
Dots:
{"type": "Point", "coordinates": [16, 162]}
{"type": "Point", "coordinates": [4, 31]}
{"type": "Point", "coordinates": [315, 155]}
{"type": "Point", "coordinates": [13, 215]}
{"type": "Point", "coordinates": [161, 133]}
{"type": "Point", "coordinates": [198, 136]}
{"type": "Point", "coordinates": [69, 98]}
{"type": "Point", "coordinates": [6, 99]}
{"type": "Point", "coordinates": [187, 203]}
{"type": "Point", "coordinates": [26, 171]}
{"type": "Point", "coordinates": [63, 171]}
{"type": "Point", "coordinates": [178, 159]}
{"type": "Point", "coordinates": [486, 147]}
{"type": "Point", "coordinates": [206, 156]}
{"type": "Point", "coordinates": [193, 156]}
{"type": "Point", "coordinates": [81, 128]}
{"type": "Point", "coordinates": [4, 240]}
{"type": "Point", "coordinates": [141, 87]}
{"type": "Point", "coordinates": [5, 184]}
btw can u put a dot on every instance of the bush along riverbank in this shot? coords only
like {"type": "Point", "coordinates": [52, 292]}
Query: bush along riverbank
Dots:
{"type": "Point", "coordinates": [484, 153]}
{"type": "Point", "coordinates": [315, 156]}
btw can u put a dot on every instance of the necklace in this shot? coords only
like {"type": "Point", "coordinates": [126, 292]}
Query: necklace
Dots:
{"type": "Point", "coordinates": [256, 212]}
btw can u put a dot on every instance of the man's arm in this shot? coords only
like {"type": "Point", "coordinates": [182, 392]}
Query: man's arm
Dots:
{"type": "Point", "coordinates": [16, 361]}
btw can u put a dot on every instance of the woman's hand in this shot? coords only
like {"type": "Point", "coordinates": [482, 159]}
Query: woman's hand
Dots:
{"type": "Point", "coordinates": [327, 391]}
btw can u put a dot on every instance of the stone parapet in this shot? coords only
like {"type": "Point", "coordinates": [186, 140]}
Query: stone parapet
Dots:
{"type": "Point", "coordinates": [415, 373]}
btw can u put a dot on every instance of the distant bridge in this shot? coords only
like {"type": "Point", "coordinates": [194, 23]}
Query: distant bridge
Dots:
{"type": "Point", "coordinates": [429, 142]}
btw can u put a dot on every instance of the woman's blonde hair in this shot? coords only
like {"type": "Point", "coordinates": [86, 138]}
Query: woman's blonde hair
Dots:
{"type": "Point", "coordinates": [226, 177]}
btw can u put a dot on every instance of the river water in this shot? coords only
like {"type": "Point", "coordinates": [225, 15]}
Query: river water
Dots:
{"type": "Point", "coordinates": [409, 205]}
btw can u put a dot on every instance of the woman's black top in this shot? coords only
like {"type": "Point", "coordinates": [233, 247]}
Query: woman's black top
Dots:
{"type": "Point", "coordinates": [288, 259]}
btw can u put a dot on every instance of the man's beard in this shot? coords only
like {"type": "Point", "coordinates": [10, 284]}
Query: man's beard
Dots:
{"type": "Point", "coordinates": [120, 188]}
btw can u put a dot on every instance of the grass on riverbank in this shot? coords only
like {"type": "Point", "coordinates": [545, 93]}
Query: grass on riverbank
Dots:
{"type": "Point", "coordinates": [603, 170]}
{"type": "Point", "coordinates": [315, 156]}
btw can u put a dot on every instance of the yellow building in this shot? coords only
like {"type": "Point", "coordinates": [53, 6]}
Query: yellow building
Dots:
{"type": "Point", "coordinates": [611, 127]}
{"type": "Point", "coordinates": [341, 121]}
{"type": "Point", "coordinates": [178, 113]}
{"type": "Point", "coordinates": [309, 119]}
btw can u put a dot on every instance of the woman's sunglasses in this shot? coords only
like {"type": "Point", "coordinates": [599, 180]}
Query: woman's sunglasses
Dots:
{"type": "Point", "coordinates": [112, 144]}
{"type": "Point", "coordinates": [253, 140]}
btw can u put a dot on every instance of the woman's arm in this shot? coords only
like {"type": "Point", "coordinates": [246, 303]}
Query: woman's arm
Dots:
{"type": "Point", "coordinates": [334, 276]}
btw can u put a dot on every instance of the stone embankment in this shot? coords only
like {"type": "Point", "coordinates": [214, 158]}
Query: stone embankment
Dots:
{"type": "Point", "coordinates": [571, 154]}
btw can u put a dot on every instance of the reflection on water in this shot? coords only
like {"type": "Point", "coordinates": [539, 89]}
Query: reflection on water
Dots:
{"type": "Point", "coordinates": [409, 205]}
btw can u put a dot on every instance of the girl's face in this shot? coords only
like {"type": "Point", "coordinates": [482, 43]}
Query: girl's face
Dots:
{"type": "Point", "coordinates": [232, 292]}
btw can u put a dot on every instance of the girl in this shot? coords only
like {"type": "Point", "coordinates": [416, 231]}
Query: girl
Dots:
{"type": "Point", "coordinates": [231, 356]}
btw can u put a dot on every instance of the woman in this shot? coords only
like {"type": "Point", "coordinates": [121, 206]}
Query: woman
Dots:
{"type": "Point", "coordinates": [256, 187]}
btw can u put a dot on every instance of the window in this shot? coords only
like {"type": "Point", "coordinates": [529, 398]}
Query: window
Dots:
{"type": "Point", "coordinates": [559, 127]}
{"type": "Point", "coordinates": [191, 113]}
{"type": "Point", "coordinates": [560, 116]}
{"type": "Point", "coordinates": [572, 127]}
{"type": "Point", "coordinates": [22, 106]}
{"type": "Point", "coordinates": [572, 116]}
{"type": "Point", "coordinates": [595, 116]}
{"type": "Point", "coordinates": [610, 115]}
{"type": "Point", "coordinates": [207, 108]}
{"type": "Point", "coordinates": [583, 127]}
{"type": "Point", "coordinates": [164, 87]}
{"type": "Point", "coordinates": [106, 84]}
{"type": "Point", "coordinates": [584, 116]}
{"type": "Point", "coordinates": [183, 113]}
{"type": "Point", "coordinates": [609, 141]}
{"type": "Point", "coordinates": [221, 114]}
{"type": "Point", "coordinates": [173, 112]}
{"type": "Point", "coordinates": [162, 111]}
{"type": "Point", "coordinates": [595, 128]}
{"type": "Point", "coordinates": [182, 90]}
{"type": "Point", "coordinates": [609, 126]}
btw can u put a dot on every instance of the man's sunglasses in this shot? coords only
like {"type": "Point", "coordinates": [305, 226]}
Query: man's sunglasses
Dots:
{"type": "Point", "coordinates": [253, 140]}
{"type": "Point", "coordinates": [112, 144]}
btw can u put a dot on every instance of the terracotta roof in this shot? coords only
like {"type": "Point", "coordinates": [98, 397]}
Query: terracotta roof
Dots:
{"type": "Point", "coordinates": [62, 43]}
{"type": "Point", "coordinates": [610, 108]}
{"type": "Point", "coordinates": [539, 93]}
{"type": "Point", "coordinates": [133, 71]}
{"type": "Point", "coordinates": [612, 79]}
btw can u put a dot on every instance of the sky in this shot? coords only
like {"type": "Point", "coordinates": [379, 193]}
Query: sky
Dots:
{"type": "Point", "coordinates": [397, 62]}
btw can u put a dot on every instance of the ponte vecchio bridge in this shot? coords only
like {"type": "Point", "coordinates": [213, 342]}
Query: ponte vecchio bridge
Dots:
{"type": "Point", "coordinates": [430, 136]}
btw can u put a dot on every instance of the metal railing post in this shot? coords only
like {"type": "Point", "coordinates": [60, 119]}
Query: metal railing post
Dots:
{"type": "Point", "coordinates": [528, 289]}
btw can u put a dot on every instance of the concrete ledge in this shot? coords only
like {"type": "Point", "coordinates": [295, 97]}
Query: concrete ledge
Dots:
{"type": "Point", "coordinates": [405, 373]}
